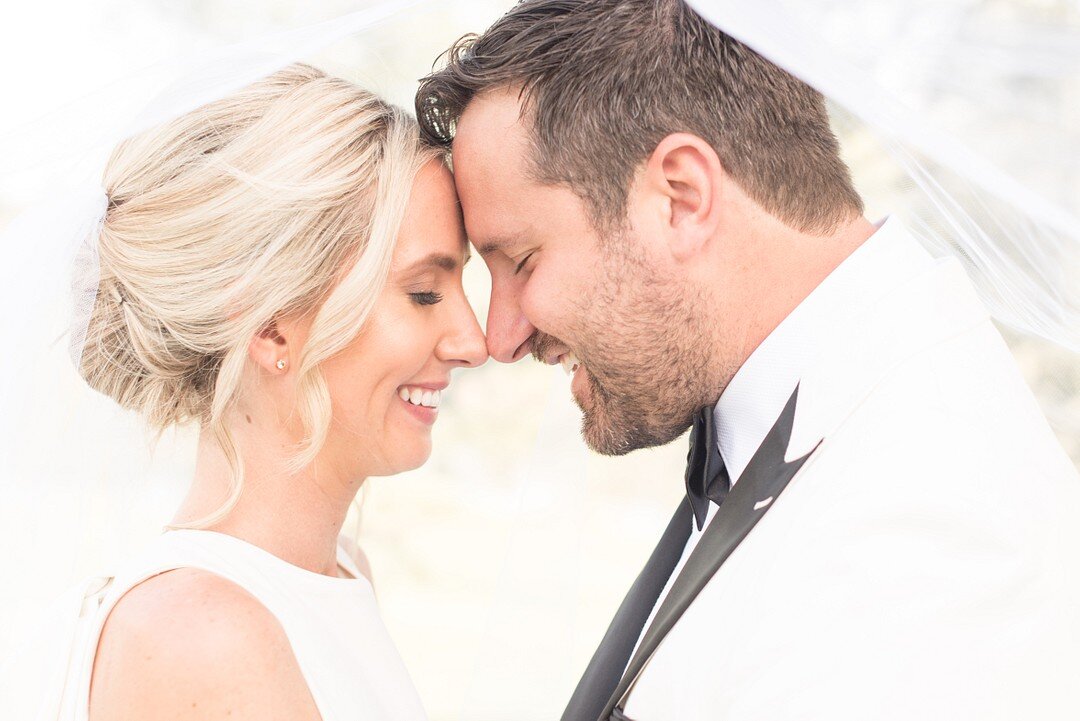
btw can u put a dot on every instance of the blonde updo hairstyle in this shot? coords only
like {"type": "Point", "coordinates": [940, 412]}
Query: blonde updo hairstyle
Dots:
{"type": "Point", "coordinates": [283, 198]}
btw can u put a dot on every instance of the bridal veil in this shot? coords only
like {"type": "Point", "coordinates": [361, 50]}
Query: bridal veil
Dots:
{"type": "Point", "coordinates": [961, 116]}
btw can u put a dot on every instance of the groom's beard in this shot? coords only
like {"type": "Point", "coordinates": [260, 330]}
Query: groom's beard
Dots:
{"type": "Point", "coordinates": [646, 358]}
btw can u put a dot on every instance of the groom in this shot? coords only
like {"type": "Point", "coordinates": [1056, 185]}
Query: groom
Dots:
{"type": "Point", "coordinates": [878, 523]}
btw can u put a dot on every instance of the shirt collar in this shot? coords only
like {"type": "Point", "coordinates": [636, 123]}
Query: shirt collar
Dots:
{"type": "Point", "coordinates": [756, 395]}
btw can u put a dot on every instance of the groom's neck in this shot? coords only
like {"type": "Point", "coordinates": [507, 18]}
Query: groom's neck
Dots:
{"type": "Point", "coordinates": [765, 270]}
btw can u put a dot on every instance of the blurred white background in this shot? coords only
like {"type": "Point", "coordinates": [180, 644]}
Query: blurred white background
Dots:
{"type": "Point", "coordinates": [499, 563]}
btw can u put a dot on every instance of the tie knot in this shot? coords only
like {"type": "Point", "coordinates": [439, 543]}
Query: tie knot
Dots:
{"type": "Point", "coordinates": [705, 476]}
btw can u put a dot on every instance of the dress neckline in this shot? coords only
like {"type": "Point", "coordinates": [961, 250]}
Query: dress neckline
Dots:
{"type": "Point", "coordinates": [301, 574]}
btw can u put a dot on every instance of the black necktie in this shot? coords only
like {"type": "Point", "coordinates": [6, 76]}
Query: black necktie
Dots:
{"type": "Point", "coordinates": [705, 480]}
{"type": "Point", "coordinates": [608, 663]}
{"type": "Point", "coordinates": [706, 476]}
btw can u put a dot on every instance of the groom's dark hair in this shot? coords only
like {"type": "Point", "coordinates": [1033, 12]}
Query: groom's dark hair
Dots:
{"type": "Point", "coordinates": [604, 81]}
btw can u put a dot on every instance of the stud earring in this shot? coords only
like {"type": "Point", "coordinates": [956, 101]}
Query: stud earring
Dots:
{"type": "Point", "coordinates": [281, 364]}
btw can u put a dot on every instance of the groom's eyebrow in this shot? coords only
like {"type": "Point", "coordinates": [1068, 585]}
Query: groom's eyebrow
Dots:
{"type": "Point", "coordinates": [499, 242]}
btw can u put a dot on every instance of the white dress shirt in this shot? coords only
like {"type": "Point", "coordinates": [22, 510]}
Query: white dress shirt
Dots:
{"type": "Point", "coordinates": [756, 395]}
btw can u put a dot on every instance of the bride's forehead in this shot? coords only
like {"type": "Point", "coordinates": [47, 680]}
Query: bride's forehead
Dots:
{"type": "Point", "coordinates": [429, 247]}
{"type": "Point", "coordinates": [432, 215]}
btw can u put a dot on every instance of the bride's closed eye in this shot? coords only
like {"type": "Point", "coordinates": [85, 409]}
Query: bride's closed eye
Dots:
{"type": "Point", "coordinates": [428, 297]}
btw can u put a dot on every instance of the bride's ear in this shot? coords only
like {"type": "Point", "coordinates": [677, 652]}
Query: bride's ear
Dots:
{"type": "Point", "coordinates": [270, 347]}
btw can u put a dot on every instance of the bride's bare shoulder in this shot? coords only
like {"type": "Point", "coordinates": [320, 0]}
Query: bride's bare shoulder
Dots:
{"type": "Point", "coordinates": [189, 644]}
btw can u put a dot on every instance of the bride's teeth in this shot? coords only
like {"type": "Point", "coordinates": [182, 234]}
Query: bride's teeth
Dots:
{"type": "Point", "coordinates": [420, 396]}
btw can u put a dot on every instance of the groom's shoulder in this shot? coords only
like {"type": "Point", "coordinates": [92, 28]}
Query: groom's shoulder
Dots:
{"type": "Point", "coordinates": [964, 397]}
{"type": "Point", "coordinates": [954, 426]}
{"type": "Point", "coordinates": [922, 370]}
{"type": "Point", "coordinates": [949, 458]}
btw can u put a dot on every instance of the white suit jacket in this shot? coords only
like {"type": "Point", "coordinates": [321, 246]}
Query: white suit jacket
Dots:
{"type": "Point", "coordinates": [923, 563]}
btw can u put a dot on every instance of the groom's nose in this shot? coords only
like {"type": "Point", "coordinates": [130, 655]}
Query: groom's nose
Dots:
{"type": "Point", "coordinates": [508, 330]}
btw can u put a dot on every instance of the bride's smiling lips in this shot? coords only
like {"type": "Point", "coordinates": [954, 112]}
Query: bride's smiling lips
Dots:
{"type": "Point", "coordinates": [422, 400]}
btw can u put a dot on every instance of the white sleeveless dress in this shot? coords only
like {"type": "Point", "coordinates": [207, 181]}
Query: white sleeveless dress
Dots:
{"type": "Point", "coordinates": [333, 624]}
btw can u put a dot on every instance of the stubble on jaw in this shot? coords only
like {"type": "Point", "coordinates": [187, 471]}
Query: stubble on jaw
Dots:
{"type": "Point", "coordinates": [647, 354]}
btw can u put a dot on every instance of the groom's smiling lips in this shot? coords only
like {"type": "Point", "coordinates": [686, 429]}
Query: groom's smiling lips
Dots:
{"type": "Point", "coordinates": [546, 348]}
{"type": "Point", "coordinates": [553, 358]}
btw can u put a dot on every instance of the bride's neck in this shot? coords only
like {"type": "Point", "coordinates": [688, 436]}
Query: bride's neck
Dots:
{"type": "Point", "coordinates": [295, 516]}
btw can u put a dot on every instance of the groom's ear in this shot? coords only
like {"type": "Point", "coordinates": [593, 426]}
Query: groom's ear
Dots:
{"type": "Point", "coordinates": [686, 175]}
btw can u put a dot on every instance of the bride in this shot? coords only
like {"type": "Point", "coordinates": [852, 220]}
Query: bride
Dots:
{"type": "Point", "coordinates": [282, 267]}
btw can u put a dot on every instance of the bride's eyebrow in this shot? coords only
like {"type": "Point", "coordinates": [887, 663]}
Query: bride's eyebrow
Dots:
{"type": "Point", "coordinates": [439, 261]}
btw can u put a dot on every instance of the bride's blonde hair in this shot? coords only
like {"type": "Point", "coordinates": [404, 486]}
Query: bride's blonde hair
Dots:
{"type": "Point", "coordinates": [283, 198]}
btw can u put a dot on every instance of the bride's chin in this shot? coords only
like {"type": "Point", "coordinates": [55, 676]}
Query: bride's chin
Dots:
{"type": "Point", "coordinates": [401, 465]}
{"type": "Point", "coordinates": [408, 452]}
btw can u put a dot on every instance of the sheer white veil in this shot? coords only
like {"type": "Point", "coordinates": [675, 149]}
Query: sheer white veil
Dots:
{"type": "Point", "coordinates": [960, 116]}
{"type": "Point", "coordinates": [963, 118]}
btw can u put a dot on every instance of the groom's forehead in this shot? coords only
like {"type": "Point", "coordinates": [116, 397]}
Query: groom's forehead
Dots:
{"type": "Point", "coordinates": [504, 206]}
{"type": "Point", "coordinates": [491, 128]}
{"type": "Point", "coordinates": [496, 191]}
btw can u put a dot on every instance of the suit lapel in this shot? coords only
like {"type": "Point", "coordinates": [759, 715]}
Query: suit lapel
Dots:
{"type": "Point", "coordinates": [749, 500]}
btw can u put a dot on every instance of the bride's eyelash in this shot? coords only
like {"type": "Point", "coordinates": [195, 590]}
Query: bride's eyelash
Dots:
{"type": "Point", "coordinates": [428, 297]}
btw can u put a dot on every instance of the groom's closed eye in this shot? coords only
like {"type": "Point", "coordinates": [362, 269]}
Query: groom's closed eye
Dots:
{"type": "Point", "coordinates": [508, 245]}
{"type": "Point", "coordinates": [518, 268]}
{"type": "Point", "coordinates": [507, 251]}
